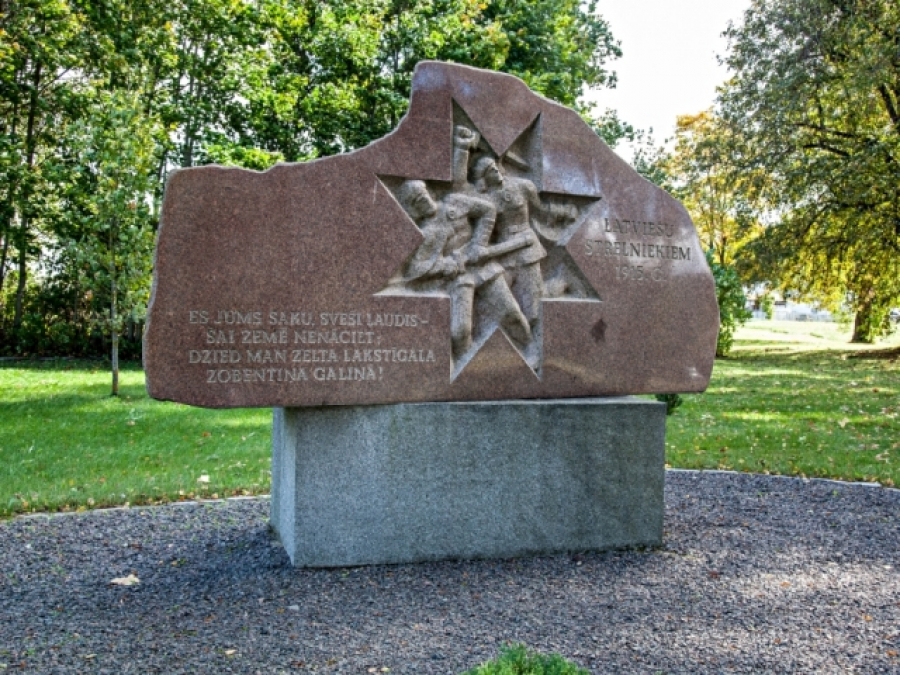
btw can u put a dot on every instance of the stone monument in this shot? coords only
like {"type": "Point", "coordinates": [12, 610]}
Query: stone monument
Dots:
{"type": "Point", "coordinates": [434, 318]}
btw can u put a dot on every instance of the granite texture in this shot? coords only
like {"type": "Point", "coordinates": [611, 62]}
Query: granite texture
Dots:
{"type": "Point", "coordinates": [491, 247]}
{"type": "Point", "coordinates": [358, 485]}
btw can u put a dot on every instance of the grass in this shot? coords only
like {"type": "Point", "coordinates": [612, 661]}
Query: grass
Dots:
{"type": "Point", "coordinates": [790, 401]}
{"type": "Point", "coordinates": [794, 399]}
{"type": "Point", "coordinates": [520, 660]}
{"type": "Point", "coordinates": [66, 444]}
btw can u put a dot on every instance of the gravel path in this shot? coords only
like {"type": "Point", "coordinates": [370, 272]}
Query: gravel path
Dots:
{"type": "Point", "coordinates": [758, 574]}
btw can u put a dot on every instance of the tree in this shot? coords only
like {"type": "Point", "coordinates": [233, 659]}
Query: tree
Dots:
{"type": "Point", "coordinates": [114, 146]}
{"type": "Point", "coordinates": [815, 100]}
{"type": "Point", "coordinates": [39, 41]}
{"type": "Point", "coordinates": [732, 302]}
{"type": "Point", "coordinates": [341, 72]}
{"type": "Point", "coordinates": [241, 82]}
{"type": "Point", "coordinates": [701, 175]}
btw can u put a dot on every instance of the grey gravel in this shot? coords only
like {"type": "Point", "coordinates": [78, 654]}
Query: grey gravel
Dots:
{"type": "Point", "coordinates": [758, 575]}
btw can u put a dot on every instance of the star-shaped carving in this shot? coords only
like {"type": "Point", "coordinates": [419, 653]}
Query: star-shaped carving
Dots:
{"type": "Point", "coordinates": [494, 243]}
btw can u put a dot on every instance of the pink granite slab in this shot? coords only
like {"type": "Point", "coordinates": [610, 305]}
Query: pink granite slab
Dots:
{"type": "Point", "coordinates": [405, 272]}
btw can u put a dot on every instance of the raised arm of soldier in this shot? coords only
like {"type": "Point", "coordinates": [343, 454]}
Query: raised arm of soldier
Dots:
{"type": "Point", "coordinates": [464, 141]}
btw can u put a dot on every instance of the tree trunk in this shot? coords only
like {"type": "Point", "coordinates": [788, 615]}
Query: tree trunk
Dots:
{"type": "Point", "coordinates": [30, 148]}
{"type": "Point", "coordinates": [23, 275]}
{"type": "Point", "coordinates": [8, 209]}
{"type": "Point", "coordinates": [115, 358]}
{"type": "Point", "coordinates": [3, 255]}
{"type": "Point", "coordinates": [863, 330]}
{"type": "Point", "coordinates": [112, 315]}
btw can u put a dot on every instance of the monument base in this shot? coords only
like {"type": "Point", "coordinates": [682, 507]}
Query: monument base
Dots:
{"type": "Point", "coordinates": [360, 485]}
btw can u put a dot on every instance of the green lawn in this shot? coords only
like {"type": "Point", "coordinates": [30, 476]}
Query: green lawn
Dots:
{"type": "Point", "coordinates": [790, 401]}
{"type": "Point", "coordinates": [794, 399]}
{"type": "Point", "coordinates": [65, 443]}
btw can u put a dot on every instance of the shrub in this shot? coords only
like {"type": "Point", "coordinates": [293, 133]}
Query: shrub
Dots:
{"type": "Point", "coordinates": [732, 303]}
{"type": "Point", "coordinates": [519, 660]}
{"type": "Point", "coordinates": [672, 401]}
{"type": "Point", "coordinates": [767, 305]}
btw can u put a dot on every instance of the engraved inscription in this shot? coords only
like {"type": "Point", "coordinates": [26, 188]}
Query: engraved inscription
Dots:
{"type": "Point", "coordinates": [645, 268]}
{"type": "Point", "coordinates": [493, 243]}
{"type": "Point", "coordinates": [302, 347]}
{"type": "Point", "coordinates": [639, 273]}
{"type": "Point", "coordinates": [639, 227]}
{"type": "Point", "coordinates": [632, 249]}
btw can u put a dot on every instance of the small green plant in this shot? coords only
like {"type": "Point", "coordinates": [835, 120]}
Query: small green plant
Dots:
{"type": "Point", "coordinates": [672, 401]}
{"type": "Point", "coordinates": [767, 305]}
{"type": "Point", "coordinates": [520, 660]}
{"type": "Point", "coordinates": [733, 310]}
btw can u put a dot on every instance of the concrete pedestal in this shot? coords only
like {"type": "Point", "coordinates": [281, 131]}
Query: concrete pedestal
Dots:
{"type": "Point", "coordinates": [361, 485]}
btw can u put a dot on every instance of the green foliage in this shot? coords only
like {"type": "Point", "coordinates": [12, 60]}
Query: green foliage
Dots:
{"type": "Point", "coordinates": [732, 303]}
{"type": "Point", "coordinates": [672, 401]}
{"type": "Point", "coordinates": [519, 660]}
{"type": "Point", "coordinates": [342, 72]}
{"type": "Point", "coordinates": [611, 128]}
{"type": "Point", "coordinates": [99, 101]}
{"type": "Point", "coordinates": [701, 176]}
{"type": "Point", "coordinates": [815, 104]}
{"type": "Point", "coordinates": [39, 45]}
{"type": "Point", "coordinates": [767, 305]}
{"type": "Point", "coordinates": [649, 161]}
{"type": "Point", "coordinates": [113, 150]}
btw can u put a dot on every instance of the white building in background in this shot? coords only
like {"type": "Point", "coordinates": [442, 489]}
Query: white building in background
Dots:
{"type": "Point", "coordinates": [784, 310]}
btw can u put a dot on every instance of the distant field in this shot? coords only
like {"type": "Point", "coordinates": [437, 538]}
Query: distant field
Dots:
{"type": "Point", "coordinates": [792, 400]}
{"type": "Point", "coordinates": [799, 336]}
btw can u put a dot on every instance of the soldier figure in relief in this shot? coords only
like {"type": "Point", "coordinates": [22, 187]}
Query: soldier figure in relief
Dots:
{"type": "Point", "coordinates": [455, 256]}
{"type": "Point", "coordinates": [514, 198]}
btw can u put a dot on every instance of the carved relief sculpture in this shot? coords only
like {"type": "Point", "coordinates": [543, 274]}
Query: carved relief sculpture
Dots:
{"type": "Point", "coordinates": [482, 247]}
{"type": "Point", "coordinates": [490, 247]}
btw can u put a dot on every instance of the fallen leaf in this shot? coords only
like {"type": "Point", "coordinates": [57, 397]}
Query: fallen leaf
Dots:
{"type": "Point", "coordinates": [130, 580]}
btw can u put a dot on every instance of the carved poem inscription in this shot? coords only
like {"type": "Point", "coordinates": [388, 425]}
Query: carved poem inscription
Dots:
{"type": "Point", "coordinates": [296, 346]}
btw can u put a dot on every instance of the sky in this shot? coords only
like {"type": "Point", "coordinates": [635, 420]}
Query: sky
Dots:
{"type": "Point", "coordinates": [668, 67]}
